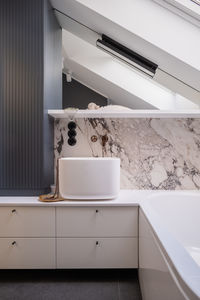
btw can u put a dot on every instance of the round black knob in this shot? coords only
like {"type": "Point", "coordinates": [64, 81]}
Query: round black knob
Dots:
{"type": "Point", "coordinates": [71, 125]}
{"type": "Point", "coordinates": [72, 141]}
{"type": "Point", "coordinates": [97, 211]}
{"type": "Point", "coordinates": [13, 243]}
{"type": "Point", "coordinates": [71, 133]}
{"type": "Point", "coordinates": [13, 210]}
{"type": "Point", "coordinates": [97, 243]}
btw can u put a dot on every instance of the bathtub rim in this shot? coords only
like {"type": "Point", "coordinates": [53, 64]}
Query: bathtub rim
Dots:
{"type": "Point", "coordinates": [172, 249]}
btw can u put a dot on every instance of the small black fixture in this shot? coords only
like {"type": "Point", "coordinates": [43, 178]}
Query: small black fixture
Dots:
{"type": "Point", "coordinates": [72, 141]}
{"type": "Point", "coordinates": [72, 133]}
{"type": "Point", "coordinates": [71, 125]}
{"type": "Point", "coordinates": [127, 55]}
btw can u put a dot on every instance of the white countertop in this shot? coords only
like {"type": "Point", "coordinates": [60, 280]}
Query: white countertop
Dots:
{"type": "Point", "coordinates": [84, 113]}
{"type": "Point", "coordinates": [125, 198]}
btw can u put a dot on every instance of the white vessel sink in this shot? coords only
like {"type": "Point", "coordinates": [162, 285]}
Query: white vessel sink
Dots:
{"type": "Point", "coordinates": [89, 178]}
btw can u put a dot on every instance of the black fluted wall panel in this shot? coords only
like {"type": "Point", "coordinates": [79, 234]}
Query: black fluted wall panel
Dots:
{"type": "Point", "coordinates": [22, 98]}
{"type": "Point", "coordinates": [52, 85]}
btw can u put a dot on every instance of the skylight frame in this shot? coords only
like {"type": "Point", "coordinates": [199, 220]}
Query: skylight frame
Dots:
{"type": "Point", "coordinates": [196, 1]}
{"type": "Point", "coordinates": [187, 9]}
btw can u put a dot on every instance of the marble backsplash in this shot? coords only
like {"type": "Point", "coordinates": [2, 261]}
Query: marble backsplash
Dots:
{"type": "Point", "coordinates": [154, 153]}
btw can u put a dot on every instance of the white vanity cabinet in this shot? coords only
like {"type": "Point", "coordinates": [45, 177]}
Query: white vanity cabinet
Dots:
{"type": "Point", "coordinates": [27, 237]}
{"type": "Point", "coordinates": [27, 253]}
{"type": "Point", "coordinates": [97, 237]}
{"type": "Point", "coordinates": [67, 234]}
{"type": "Point", "coordinates": [27, 221]}
{"type": "Point", "coordinates": [97, 253]}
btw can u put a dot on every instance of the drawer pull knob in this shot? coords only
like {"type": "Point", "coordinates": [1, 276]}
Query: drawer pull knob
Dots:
{"type": "Point", "coordinates": [14, 210]}
{"type": "Point", "coordinates": [14, 243]}
{"type": "Point", "coordinates": [97, 211]}
{"type": "Point", "coordinates": [97, 243]}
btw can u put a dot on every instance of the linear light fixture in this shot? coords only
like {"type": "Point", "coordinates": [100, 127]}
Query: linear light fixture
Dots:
{"type": "Point", "coordinates": [126, 55]}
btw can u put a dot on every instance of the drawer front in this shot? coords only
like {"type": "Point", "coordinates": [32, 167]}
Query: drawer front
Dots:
{"type": "Point", "coordinates": [97, 253]}
{"type": "Point", "coordinates": [27, 253]}
{"type": "Point", "coordinates": [27, 222]}
{"type": "Point", "coordinates": [97, 222]}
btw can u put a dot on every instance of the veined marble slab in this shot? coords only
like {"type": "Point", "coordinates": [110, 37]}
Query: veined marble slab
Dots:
{"type": "Point", "coordinates": [155, 153]}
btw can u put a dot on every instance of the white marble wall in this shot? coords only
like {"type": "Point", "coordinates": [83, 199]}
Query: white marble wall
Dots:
{"type": "Point", "coordinates": [154, 153]}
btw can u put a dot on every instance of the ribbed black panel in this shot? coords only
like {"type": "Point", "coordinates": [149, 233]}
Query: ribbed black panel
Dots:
{"type": "Point", "coordinates": [21, 96]}
{"type": "Point", "coordinates": [52, 86]}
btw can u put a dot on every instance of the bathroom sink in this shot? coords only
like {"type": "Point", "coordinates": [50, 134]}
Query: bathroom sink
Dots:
{"type": "Point", "coordinates": [89, 178]}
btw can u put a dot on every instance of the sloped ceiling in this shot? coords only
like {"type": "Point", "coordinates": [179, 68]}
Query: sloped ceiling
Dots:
{"type": "Point", "coordinates": [106, 75]}
{"type": "Point", "coordinates": [135, 24]}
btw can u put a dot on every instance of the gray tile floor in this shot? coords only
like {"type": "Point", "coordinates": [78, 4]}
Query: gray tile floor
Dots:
{"type": "Point", "coordinates": [69, 285]}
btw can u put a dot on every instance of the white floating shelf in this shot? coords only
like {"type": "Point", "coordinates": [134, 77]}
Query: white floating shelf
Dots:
{"type": "Point", "coordinates": [83, 113]}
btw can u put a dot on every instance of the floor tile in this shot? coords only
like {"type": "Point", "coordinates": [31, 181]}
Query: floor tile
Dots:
{"type": "Point", "coordinates": [68, 285]}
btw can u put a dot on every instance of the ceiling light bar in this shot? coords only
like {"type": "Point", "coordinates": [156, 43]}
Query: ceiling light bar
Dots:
{"type": "Point", "coordinates": [126, 55]}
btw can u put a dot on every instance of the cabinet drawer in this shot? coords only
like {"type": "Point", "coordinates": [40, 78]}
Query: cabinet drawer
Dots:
{"type": "Point", "coordinates": [27, 253]}
{"type": "Point", "coordinates": [27, 221]}
{"type": "Point", "coordinates": [97, 221]}
{"type": "Point", "coordinates": [97, 253]}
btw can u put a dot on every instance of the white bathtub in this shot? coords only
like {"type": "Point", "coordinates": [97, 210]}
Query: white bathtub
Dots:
{"type": "Point", "coordinates": [169, 246]}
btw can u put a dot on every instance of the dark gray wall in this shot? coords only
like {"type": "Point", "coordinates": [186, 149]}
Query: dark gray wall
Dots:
{"type": "Point", "coordinates": [28, 87]}
{"type": "Point", "coordinates": [78, 95]}
{"type": "Point", "coordinates": [52, 86]}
